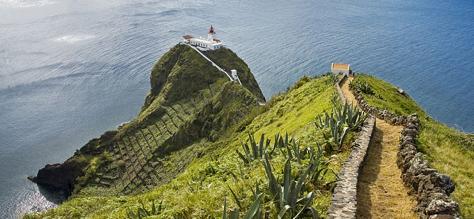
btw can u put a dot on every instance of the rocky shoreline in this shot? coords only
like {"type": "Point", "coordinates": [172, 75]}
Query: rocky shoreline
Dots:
{"type": "Point", "coordinates": [63, 176]}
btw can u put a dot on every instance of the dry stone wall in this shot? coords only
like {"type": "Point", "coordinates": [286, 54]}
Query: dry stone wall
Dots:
{"type": "Point", "coordinates": [344, 200]}
{"type": "Point", "coordinates": [431, 188]}
{"type": "Point", "coordinates": [339, 90]}
{"type": "Point", "coordinates": [385, 115]}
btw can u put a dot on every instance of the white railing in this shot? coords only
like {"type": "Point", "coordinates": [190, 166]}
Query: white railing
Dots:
{"type": "Point", "coordinates": [213, 64]}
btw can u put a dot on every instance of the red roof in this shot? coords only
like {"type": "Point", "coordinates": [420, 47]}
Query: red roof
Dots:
{"type": "Point", "coordinates": [211, 30]}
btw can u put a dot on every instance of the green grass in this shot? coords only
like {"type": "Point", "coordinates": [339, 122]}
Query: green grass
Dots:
{"type": "Point", "coordinates": [200, 189]}
{"type": "Point", "coordinates": [448, 150]}
{"type": "Point", "coordinates": [189, 100]}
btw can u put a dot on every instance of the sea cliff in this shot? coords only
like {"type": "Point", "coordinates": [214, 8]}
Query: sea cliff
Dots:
{"type": "Point", "coordinates": [205, 146]}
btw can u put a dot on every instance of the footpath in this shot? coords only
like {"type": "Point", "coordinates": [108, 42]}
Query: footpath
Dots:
{"type": "Point", "coordinates": [380, 191]}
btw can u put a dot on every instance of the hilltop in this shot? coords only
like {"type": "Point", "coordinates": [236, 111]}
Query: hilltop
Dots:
{"type": "Point", "coordinates": [184, 154]}
{"type": "Point", "coordinates": [189, 101]}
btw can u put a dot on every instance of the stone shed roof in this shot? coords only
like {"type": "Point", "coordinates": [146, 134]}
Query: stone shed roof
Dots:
{"type": "Point", "coordinates": [340, 66]}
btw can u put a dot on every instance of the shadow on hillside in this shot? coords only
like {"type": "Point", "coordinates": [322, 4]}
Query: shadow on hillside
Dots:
{"type": "Point", "coordinates": [369, 174]}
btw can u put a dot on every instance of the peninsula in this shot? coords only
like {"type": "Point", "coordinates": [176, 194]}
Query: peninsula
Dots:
{"type": "Point", "coordinates": [206, 143]}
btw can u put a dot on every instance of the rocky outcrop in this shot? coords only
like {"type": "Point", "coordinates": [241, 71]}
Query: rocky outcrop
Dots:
{"type": "Point", "coordinates": [344, 199]}
{"type": "Point", "coordinates": [62, 176]}
{"type": "Point", "coordinates": [431, 188]}
{"type": "Point", "coordinates": [59, 176]}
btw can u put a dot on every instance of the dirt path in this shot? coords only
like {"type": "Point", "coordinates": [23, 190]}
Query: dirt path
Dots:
{"type": "Point", "coordinates": [347, 93]}
{"type": "Point", "coordinates": [381, 193]}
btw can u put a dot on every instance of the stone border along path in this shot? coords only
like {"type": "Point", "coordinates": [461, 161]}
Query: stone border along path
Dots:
{"type": "Point", "coordinates": [344, 200]}
{"type": "Point", "coordinates": [360, 191]}
{"type": "Point", "coordinates": [381, 192]}
{"type": "Point", "coordinates": [431, 188]}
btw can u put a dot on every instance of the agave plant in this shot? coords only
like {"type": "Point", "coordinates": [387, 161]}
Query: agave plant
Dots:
{"type": "Point", "coordinates": [335, 99]}
{"type": "Point", "coordinates": [254, 212]}
{"type": "Point", "coordinates": [364, 87]}
{"type": "Point", "coordinates": [324, 121]}
{"type": "Point", "coordinates": [294, 152]}
{"type": "Point", "coordinates": [351, 115]}
{"type": "Point", "coordinates": [288, 198]}
{"type": "Point", "coordinates": [143, 212]}
{"type": "Point", "coordinates": [336, 124]}
{"type": "Point", "coordinates": [320, 167]}
{"type": "Point", "coordinates": [333, 78]}
{"type": "Point", "coordinates": [252, 150]}
{"type": "Point", "coordinates": [334, 130]}
{"type": "Point", "coordinates": [280, 143]}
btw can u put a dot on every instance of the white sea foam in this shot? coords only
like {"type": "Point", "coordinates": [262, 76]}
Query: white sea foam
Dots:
{"type": "Point", "coordinates": [24, 3]}
{"type": "Point", "coordinates": [73, 38]}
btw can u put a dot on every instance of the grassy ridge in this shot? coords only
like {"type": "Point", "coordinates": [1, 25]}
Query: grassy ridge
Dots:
{"type": "Point", "coordinates": [199, 191]}
{"type": "Point", "coordinates": [448, 150]}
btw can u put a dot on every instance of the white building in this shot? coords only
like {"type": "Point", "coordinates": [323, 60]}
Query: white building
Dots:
{"type": "Point", "coordinates": [210, 43]}
{"type": "Point", "coordinates": [340, 68]}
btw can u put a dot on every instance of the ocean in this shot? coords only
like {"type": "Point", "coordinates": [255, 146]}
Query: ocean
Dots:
{"type": "Point", "coordinates": [70, 70]}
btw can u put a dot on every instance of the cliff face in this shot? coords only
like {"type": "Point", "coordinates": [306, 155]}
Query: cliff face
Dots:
{"type": "Point", "coordinates": [190, 101]}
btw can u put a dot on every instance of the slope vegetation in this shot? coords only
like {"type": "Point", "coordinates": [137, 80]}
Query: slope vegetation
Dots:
{"type": "Point", "coordinates": [180, 150]}
{"type": "Point", "coordinates": [189, 101]}
{"type": "Point", "coordinates": [214, 168]}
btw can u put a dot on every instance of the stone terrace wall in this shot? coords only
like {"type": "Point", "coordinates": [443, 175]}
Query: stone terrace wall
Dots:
{"type": "Point", "coordinates": [344, 200]}
{"type": "Point", "coordinates": [430, 188]}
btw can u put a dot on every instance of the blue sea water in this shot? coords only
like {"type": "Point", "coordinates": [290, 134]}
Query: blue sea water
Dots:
{"type": "Point", "coordinates": [70, 70]}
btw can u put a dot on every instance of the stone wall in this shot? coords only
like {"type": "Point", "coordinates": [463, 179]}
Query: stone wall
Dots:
{"type": "Point", "coordinates": [382, 114]}
{"type": "Point", "coordinates": [431, 188]}
{"type": "Point", "coordinates": [339, 90]}
{"type": "Point", "coordinates": [344, 199]}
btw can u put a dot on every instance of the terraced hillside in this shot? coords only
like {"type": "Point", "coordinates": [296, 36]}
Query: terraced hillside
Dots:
{"type": "Point", "coordinates": [180, 150]}
{"type": "Point", "coordinates": [448, 150]}
{"type": "Point", "coordinates": [185, 156]}
{"type": "Point", "coordinates": [192, 181]}
{"type": "Point", "coordinates": [189, 101]}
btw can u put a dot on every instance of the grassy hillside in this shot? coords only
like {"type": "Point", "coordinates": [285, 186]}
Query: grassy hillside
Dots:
{"type": "Point", "coordinates": [448, 150]}
{"type": "Point", "coordinates": [189, 101]}
{"type": "Point", "coordinates": [181, 149]}
{"type": "Point", "coordinates": [199, 190]}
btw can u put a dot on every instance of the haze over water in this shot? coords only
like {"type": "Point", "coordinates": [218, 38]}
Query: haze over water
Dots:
{"type": "Point", "coordinates": [70, 70]}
